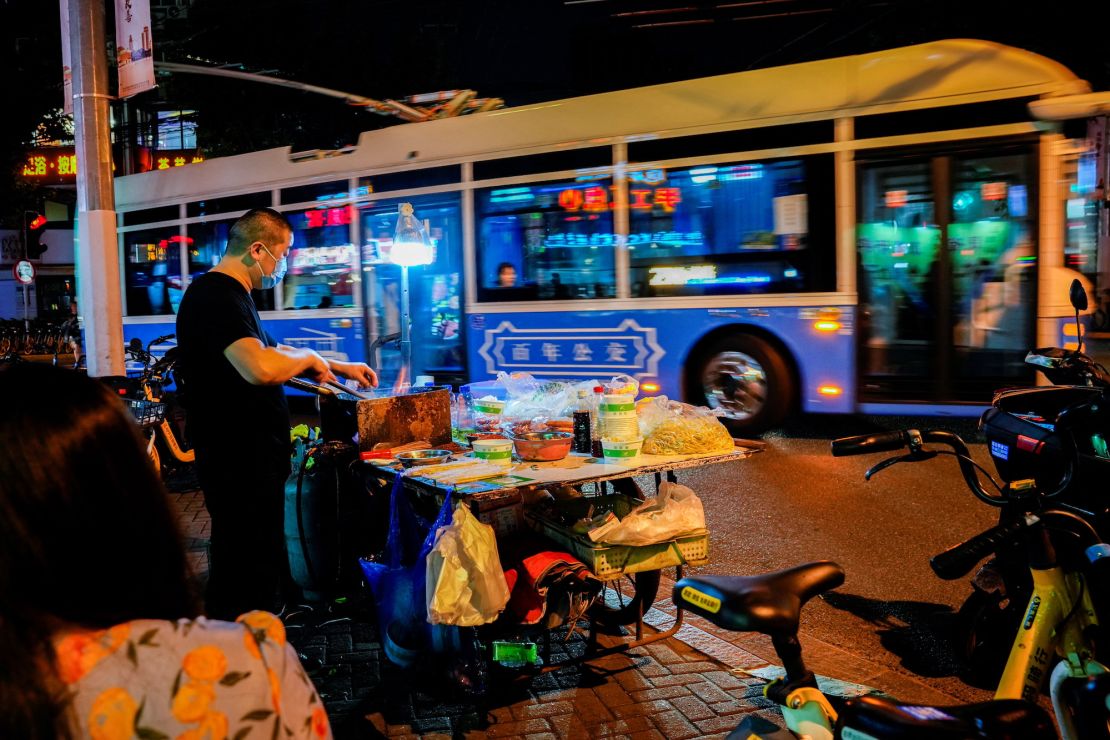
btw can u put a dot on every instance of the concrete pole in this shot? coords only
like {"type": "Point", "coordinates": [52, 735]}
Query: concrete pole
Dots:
{"type": "Point", "coordinates": [98, 278]}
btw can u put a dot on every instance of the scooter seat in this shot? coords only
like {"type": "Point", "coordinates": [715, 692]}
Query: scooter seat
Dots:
{"type": "Point", "coordinates": [769, 603]}
{"type": "Point", "coordinates": [1003, 719]}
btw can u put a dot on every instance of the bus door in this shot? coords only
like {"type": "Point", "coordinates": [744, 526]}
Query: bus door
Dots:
{"type": "Point", "coordinates": [947, 274]}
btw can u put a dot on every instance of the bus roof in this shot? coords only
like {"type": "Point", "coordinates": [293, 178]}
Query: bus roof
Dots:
{"type": "Point", "coordinates": [939, 73]}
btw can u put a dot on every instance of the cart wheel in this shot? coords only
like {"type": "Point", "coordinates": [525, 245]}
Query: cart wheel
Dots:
{"type": "Point", "coordinates": [645, 587]}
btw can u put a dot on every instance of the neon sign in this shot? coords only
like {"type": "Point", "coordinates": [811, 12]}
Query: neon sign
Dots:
{"type": "Point", "coordinates": [596, 199]}
{"type": "Point", "coordinates": [55, 164]}
{"type": "Point", "coordinates": [327, 217]}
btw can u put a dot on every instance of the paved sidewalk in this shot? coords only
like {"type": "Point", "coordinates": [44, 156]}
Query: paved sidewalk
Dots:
{"type": "Point", "coordinates": [678, 688]}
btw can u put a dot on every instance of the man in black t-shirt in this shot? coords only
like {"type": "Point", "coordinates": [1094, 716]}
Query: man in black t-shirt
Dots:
{"type": "Point", "coordinates": [232, 373]}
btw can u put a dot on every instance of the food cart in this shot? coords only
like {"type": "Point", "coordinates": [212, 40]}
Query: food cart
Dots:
{"type": "Point", "coordinates": [527, 497]}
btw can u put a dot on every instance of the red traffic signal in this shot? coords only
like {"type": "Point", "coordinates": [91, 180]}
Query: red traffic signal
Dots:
{"type": "Point", "coordinates": [32, 234]}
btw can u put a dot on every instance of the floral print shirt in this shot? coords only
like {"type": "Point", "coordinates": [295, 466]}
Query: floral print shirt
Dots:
{"type": "Point", "coordinates": [189, 680]}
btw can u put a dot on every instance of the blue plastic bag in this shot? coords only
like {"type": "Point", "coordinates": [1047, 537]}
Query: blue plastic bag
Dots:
{"type": "Point", "coordinates": [398, 580]}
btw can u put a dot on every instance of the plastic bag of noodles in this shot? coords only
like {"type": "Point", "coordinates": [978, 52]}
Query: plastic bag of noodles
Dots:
{"type": "Point", "coordinates": [675, 428]}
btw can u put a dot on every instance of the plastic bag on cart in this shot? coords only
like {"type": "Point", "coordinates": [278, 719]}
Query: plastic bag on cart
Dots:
{"type": "Point", "coordinates": [675, 428]}
{"type": "Point", "coordinates": [675, 512]}
{"type": "Point", "coordinates": [532, 400]}
{"type": "Point", "coordinates": [397, 583]}
{"type": "Point", "coordinates": [465, 583]}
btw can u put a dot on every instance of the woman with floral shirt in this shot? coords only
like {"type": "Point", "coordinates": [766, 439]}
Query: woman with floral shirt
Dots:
{"type": "Point", "coordinates": [99, 629]}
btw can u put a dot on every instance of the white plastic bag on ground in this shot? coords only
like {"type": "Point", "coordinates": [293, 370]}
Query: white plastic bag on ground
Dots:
{"type": "Point", "coordinates": [466, 586]}
{"type": "Point", "coordinates": [675, 512]}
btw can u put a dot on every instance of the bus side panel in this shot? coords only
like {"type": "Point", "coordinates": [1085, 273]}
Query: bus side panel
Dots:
{"type": "Point", "coordinates": [658, 344]}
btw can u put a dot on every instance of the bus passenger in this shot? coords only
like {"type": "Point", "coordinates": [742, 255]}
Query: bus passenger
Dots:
{"type": "Point", "coordinates": [99, 629]}
{"type": "Point", "coordinates": [506, 275]}
{"type": "Point", "coordinates": [232, 373]}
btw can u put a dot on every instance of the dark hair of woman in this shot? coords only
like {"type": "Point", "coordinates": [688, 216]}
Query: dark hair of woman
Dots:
{"type": "Point", "coordinates": [88, 538]}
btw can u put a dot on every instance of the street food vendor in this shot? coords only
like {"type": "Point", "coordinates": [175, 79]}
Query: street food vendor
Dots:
{"type": "Point", "coordinates": [232, 371]}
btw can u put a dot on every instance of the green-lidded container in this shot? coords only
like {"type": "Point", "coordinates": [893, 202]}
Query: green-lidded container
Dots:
{"type": "Point", "coordinates": [497, 451]}
{"type": "Point", "coordinates": [488, 406]}
{"type": "Point", "coordinates": [622, 453]}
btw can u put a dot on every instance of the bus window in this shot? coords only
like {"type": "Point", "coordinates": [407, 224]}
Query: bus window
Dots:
{"type": "Point", "coordinates": [435, 290]}
{"type": "Point", "coordinates": [321, 260]}
{"type": "Point", "coordinates": [994, 264]}
{"type": "Point", "coordinates": [152, 271]}
{"type": "Point", "coordinates": [206, 243]}
{"type": "Point", "coordinates": [556, 236]}
{"type": "Point", "coordinates": [898, 239]}
{"type": "Point", "coordinates": [753, 227]}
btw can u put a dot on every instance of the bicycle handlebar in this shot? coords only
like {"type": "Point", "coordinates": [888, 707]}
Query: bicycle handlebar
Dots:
{"type": "Point", "coordinates": [865, 444]}
{"type": "Point", "coordinates": [958, 560]}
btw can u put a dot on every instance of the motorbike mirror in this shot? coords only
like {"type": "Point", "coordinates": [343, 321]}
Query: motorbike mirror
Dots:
{"type": "Point", "coordinates": [135, 345]}
{"type": "Point", "coordinates": [1078, 296]}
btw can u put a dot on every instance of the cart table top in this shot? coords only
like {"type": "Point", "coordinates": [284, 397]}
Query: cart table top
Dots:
{"type": "Point", "coordinates": [577, 468]}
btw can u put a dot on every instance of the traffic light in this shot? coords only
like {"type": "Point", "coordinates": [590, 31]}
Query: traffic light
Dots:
{"type": "Point", "coordinates": [32, 234]}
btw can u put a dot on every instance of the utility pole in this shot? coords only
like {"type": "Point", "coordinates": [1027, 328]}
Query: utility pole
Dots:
{"type": "Point", "coordinates": [98, 278]}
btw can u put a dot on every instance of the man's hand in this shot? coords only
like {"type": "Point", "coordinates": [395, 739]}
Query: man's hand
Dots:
{"type": "Point", "coordinates": [359, 371]}
{"type": "Point", "coordinates": [319, 370]}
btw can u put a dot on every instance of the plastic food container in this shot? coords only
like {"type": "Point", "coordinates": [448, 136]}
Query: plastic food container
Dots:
{"type": "Point", "coordinates": [621, 453]}
{"type": "Point", "coordinates": [618, 406]}
{"type": "Point", "coordinates": [472, 438]}
{"type": "Point", "coordinates": [543, 446]}
{"type": "Point", "coordinates": [497, 451]}
{"type": "Point", "coordinates": [488, 406]}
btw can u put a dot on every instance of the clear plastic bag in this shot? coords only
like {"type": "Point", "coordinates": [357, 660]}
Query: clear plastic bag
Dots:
{"type": "Point", "coordinates": [537, 401]}
{"type": "Point", "coordinates": [465, 583]}
{"type": "Point", "coordinates": [675, 428]}
{"type": "Point", "coordinates": [675, 512]}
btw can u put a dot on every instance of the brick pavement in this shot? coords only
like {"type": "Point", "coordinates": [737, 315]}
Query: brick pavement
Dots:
{"type": "Point", "coordinates": [679, 688]}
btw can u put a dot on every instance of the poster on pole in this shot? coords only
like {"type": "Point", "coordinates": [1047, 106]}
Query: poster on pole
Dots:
{"type": "Point", "coordinates": [134, 50]}
{"type": "Point", "coordinates": [67, 70]}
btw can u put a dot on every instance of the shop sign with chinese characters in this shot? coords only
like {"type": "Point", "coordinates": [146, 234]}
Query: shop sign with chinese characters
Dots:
{"type": "Point", "coordinates": [573, 352]}
{"type": "Point", "coordinates": [596, 199]}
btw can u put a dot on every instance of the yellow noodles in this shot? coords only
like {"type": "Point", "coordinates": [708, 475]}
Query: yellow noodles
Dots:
{"type": "Point", "coordinates": [688, 435]}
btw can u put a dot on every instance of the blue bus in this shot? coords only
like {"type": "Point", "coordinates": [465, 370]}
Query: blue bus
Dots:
{"type": "Point", "coordinates": [864, 233]}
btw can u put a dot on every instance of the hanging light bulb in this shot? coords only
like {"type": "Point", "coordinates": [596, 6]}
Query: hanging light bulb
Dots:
{"type": "Point", "coordinates": [411, 245]}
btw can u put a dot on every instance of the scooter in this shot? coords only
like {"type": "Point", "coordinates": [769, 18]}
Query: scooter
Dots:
{"type": "Point", "coordinates": [1026, 441]}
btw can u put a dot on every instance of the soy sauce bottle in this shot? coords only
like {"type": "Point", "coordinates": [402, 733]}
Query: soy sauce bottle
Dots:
{"type": "Point", "coordinates": [582, 424]}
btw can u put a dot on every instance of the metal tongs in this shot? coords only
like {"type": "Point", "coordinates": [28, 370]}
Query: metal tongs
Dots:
{"type": "Point", "coordinates": [344, 389]}
{"type": "Point", "coordinates": [329, 388]}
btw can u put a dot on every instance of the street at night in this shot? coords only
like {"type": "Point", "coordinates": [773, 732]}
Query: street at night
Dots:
{"type": "Point", "coordinates": [496, 369]}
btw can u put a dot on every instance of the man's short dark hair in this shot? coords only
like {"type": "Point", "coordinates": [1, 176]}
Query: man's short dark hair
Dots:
{"type": "Point", "coordinates": [257, 225]}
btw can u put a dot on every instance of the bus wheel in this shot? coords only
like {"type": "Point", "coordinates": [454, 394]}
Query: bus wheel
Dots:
{"type": "Point", "coordinates": [748, 380]}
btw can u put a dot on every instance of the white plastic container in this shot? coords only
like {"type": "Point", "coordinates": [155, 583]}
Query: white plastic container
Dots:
{"type": "Point", "coordinates": [622, 453]}
{"type": "Point", "coordinates": [489, 406]}
{"type": "Point", "coordinates": [496, 451]}
{"type": "Point", "coordinates": [618, 406]}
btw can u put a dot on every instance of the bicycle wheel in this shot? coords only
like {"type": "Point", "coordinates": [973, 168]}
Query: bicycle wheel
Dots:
{"type": "Point", "coordinates": [628, 608]}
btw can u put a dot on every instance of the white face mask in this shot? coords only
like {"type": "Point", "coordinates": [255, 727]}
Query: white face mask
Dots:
{"type": "Point", "coordinates": [280, 266]}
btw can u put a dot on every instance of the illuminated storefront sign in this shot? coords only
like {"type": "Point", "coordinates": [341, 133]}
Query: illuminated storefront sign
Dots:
{"type": "Point", "coordinates": [596, 199]}
{"type": "Point", "coordinates": [327, 217]}
{"type": "Point", "coordinates": [167, 159]}
{"type": "Point", "coordinates": [58, 165]}
{"type": "Point", "coordinates": [665, 238]}
{"type": "Point", "coordinates": [314, 258]}
{"type": "Point", "coordinates": [50, 165]}
{"type": "Point", "coordinates": [681, 275]}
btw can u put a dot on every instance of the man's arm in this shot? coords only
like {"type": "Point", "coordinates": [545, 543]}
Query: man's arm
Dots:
{"type": "Point", "coordinates": [359, 371]}
{"type": "Point", "coordinates": [262, 365]}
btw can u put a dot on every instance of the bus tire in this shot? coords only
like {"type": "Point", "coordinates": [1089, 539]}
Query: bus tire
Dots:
{"type": "Point", "coordinates": [746, 377]}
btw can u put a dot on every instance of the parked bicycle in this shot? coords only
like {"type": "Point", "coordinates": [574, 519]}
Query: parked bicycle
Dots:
{"type": "Point", "coordinates": [166, 434]}
{"type": "Point", "coordinates": [1056, 643]}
